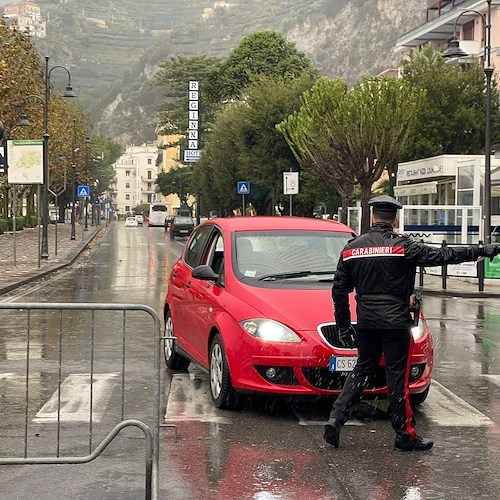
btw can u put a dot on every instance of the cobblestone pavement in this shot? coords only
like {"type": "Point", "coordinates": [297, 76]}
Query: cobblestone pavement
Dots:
{"type": "Point", "coordinates": [26, 266]}
{"type": "Point", "coordinates": [19, 263]}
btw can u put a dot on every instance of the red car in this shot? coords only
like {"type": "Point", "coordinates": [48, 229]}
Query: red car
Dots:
{"type": "Point", "coordinates": [249, 301]}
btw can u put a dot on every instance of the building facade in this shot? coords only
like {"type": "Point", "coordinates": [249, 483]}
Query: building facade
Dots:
{"type": "Point", "coordinates": [439, 29]}
{"type": "Point", "coordinates": [135, 175]}
{"type": "Point", "coordinates": [136, 172]}
{"type": "Point", "coordinates": [26, 16]}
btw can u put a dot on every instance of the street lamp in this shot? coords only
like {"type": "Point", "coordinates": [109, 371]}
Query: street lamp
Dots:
{"type": "Point", "coordinates": [73, 201]}
{"type": "Point", "coordinates": [44, 253]}
{"type": "Point", "coordinates": [454, 50]}
{"type": "Point", "coordinates": [88, 142]}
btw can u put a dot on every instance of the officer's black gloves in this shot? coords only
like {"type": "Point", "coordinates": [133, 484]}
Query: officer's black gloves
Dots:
{"type": "Point", "coordinates": [347, 337]}
{"type": "Point", "coordinates": [489, 251]}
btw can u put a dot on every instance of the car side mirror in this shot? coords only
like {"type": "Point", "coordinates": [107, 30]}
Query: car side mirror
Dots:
{"type": "Point", "coordinates": [204, 273]}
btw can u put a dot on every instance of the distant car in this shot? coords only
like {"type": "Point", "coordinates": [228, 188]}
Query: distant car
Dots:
{"type": "Point", "coordinates": [131, 222]}
{"type": "Point", "coordinates": [181, 226]}
{"type": "Point", "coordinates": [250, 302]}
{"type": "Point", "coordinates": [139, 219]}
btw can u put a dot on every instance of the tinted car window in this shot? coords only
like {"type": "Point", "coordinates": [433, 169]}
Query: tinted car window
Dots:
{"type": "Point", "coordinates": [196, 245]}
{"type": "Point", "coordinates": [183, 220]}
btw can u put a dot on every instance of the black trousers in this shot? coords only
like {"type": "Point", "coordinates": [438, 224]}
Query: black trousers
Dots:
{"type": "Point", "coordinates": [396, 346]}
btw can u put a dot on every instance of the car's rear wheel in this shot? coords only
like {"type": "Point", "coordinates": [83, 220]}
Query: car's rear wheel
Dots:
{"type": "Point", "coordinates": [418, 398]}
{"type": "Point", "coordinates": [173, 359]}
{"type": "Point", "coordinates": [221, 389]}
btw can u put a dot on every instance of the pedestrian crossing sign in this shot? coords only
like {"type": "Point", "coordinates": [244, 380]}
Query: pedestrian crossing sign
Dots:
{"type": "Point", "coordinates": [243, 187]}
{"type": "Point", "coordinates": [83, 192]}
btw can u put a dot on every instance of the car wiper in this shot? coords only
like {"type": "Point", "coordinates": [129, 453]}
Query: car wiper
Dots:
{"type": "Point", "coordinates": [297, 274]}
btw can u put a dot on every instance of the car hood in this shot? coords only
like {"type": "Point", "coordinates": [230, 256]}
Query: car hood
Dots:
{"type": "Point", "coordinates": [300, 309]}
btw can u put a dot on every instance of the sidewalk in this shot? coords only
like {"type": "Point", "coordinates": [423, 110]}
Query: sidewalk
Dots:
{"type": "Point", "coordinates": [27, 267]}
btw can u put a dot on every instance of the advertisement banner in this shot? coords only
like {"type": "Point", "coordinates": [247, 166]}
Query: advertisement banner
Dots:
{"type": "Point", "coordinates": [492, 269]}
{"type": "Point", "coordinates": [25, 162]}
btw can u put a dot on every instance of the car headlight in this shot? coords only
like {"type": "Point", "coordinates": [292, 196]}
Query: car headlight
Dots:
{"type": "Point", "coordinates": [270, 330]}
{"type": "Point", "coordinates": [418, 331]}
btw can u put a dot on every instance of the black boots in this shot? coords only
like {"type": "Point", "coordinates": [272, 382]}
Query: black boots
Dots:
{"type": "Point", "coordinates": [417, 444]}
{"type": "Point", "coordinates": [332, 432]}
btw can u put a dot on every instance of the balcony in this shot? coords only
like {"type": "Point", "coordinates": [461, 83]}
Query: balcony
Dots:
{"type": "Point", "coordinates": [438, 28]}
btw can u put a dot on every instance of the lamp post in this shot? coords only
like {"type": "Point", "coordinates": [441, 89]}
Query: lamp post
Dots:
{"type": "Point", "coordinates": [454, 50]}
{"type": "Point", "coordinates": [73, 202]}
{"type": "Point", "coordinates": [44, 252]}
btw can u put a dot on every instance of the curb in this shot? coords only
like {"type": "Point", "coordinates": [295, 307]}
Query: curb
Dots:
{"type": "Point", "coordinates": [56, 267]}
{"type": "Point", "coordinates": [458, 293]}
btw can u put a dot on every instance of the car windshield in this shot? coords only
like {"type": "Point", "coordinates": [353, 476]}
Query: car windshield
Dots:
{"type": "Point", "coordinates": [288, 255]}
{"type": "Point", "coordinates": [183, 220]}
{"type": "Point", "coordinates": [131, 219]}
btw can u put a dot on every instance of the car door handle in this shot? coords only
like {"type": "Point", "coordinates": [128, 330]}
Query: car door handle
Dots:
{"type": "Point", "coordinates": [188, 285]}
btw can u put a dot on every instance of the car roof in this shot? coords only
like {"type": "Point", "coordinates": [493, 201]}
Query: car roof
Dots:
{"type": "Point", "coordinates": [278, 223]}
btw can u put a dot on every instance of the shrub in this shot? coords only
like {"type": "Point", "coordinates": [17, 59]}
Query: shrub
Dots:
{"type": "Point", "coordinates": [4, 225]}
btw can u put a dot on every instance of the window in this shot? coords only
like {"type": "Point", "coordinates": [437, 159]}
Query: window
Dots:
{"type": "Point", "coordinates": [127, 173]}
{"type": "Point", "coordinates": [149, 198]}
{"type": "Point", "coordinates": [127, 208]}
{"type": "Point", "coordinates": [196, 246]}
{"type": "Point", "coordinates": [150, 161]}
{"type": "Point", "coordinates": [468, 31]}
{"type": "Point", "coordinates": [127, 197]}
{"type": "Point", "coordinates": [127, 185]}
{"type": "Point", "coordinates": [215, 256]}
{"type": "Point", "coordinates": [150, 174]}
{"type": "Point", "coordinates": [149, 185]}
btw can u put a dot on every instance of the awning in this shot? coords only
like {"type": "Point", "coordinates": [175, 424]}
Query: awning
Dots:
{"type": "Point", "coordinates": [415, 189]}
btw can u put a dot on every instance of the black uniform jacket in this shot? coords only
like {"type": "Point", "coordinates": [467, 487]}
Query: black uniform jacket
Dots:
{"type": "Point", "coordinates": [380, 265]}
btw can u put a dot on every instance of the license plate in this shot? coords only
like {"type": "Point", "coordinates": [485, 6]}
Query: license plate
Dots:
{"type": "Point", "coordinates": [342, 363]}
{"type": "Point", "coordinates": [183, 231]}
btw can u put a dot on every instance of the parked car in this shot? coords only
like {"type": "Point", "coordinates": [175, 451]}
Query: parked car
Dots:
{"type": "Point", "coordinates": [139, 219]}
{"type": "Point", "coordinates": [181, 226]}
{"type": "Point", "coordinates": [249, 300]}
{"type": "Point", "coordinates": [131, 222]}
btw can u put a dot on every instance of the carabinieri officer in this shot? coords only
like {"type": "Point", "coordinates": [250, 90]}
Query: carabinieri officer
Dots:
{"type": "Point", "coordinates": [380, 265]}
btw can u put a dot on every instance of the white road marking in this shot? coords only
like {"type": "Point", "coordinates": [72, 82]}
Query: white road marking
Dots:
{"type": "Point", "coordinates": [190, 400]}
{"type": "Point", "coordinates": [7, 376]}
{"type": "Point", "coordinates": [446, 409]}
{"type": "Point", "coordinates": [75, 398]}
{"type": "Point", "coordinates": [494, 379]}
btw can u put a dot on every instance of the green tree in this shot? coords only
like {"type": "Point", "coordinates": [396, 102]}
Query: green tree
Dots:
{"type": "Point", "coordinates": [254, 150]}
{"type": "Point", "coordinates": [265, 53]}
{"type": "Point", "coordinates": [177, 181]}
{"type": "Point", "coordinates": [174, 75]}
{"type": "Point", "coordinates": [452, 121]}
{"type": "Point", "coordinates": [352, 136]}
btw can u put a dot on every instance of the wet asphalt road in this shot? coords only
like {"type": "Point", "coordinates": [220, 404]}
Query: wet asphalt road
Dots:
{"type": "Point", "coordinates": [268, 449]}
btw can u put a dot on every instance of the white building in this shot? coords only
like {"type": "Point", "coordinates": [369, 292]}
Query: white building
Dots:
{"type": "Point", "coordinates": [136, 171]}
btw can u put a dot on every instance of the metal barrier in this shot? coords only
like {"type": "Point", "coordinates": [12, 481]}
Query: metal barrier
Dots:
{"type": "Point", "coordinates": [151, 435]}
{"type": "Point", "coordinates": [479, 271]}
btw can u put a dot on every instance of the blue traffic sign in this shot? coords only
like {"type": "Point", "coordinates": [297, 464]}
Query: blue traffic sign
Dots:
{"type": "Point", "coordinates": [83, 191]}
{"type": "Point", "coordinates": [243, 187]}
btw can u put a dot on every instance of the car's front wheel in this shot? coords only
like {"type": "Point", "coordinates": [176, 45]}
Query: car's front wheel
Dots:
{"type": "Point", "coordinates": [221, 389]}
{"type": "Point", "coordinates": [173, 359]}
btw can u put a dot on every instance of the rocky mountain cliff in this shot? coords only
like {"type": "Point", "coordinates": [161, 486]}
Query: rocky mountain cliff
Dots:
{"type": "Point", "coordinates": [114, 47]}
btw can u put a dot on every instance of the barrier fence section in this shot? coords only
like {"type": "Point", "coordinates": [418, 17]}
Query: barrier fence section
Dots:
{"type": "Point", "coordinates": [59, 322]}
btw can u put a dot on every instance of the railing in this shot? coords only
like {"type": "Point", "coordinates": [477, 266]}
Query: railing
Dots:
{"type": "Point", "coordinates": [53, 340]}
